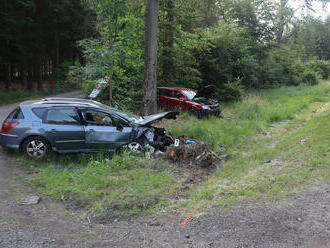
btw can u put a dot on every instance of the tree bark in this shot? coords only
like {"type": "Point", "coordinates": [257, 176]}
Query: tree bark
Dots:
{"type": "Point", "coordinates": [150, 62]}
{"type": "Point", "coordinates": [168, 42]}
{"type": "Point", "coordinates": [30, 75]}
{"type": "Point", "coordinates": [39, 74]}
{"type": "Point", "coordinates": [57, 50]}
{"type": "Point", "coordinates": [25, 75]}
{"type": "Point", "coordinates": [8, 82]}
{"type": "Point", "coordinates": [281, 20]}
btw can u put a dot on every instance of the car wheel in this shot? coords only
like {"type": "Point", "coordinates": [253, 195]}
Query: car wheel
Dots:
{"type": "Point", "coordinates": [195, 112]}
{"type": "Point", "coordinates": [36, 147]}
{"type": "Point", "coordinates": [135, 147]}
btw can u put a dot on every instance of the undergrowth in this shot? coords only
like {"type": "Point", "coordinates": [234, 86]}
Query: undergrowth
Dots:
{"type": "Point", "coordinates": [251, 115]}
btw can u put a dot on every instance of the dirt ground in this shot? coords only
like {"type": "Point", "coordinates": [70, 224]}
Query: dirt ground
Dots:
{"type": "Point", "coordinates": [300, 220]}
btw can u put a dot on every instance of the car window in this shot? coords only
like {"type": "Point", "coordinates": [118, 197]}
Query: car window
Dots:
{"type": "Point", "coordinates": [98, 118]}
{"type": "Point", "coordinates": [103, 119]}
{"type": "Point", "coordinates": [16, 114]}
{"type": "Point", "coordinates": [177, 94]}
{"type": "Point", "coordinates": [62, 116]}
{"type": "Point", "coordinates": [120, 122]}
{"type": "Point", "coordinates": [164, 92]}
{"type": "Point", "coordinates": [39, 112]}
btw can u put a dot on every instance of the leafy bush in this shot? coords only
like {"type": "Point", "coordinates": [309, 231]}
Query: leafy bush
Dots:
{"type": "Point", "coordinates": [310, 77]}
{"type": "Point", "coordinates": [322, 67]}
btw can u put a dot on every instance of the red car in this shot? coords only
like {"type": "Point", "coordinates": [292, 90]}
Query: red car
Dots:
{"type": "Point", "coordinates": [197, 103]}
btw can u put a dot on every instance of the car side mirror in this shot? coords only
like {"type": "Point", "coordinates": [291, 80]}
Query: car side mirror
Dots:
{"type": "Point", "coordinates": [182, 98]}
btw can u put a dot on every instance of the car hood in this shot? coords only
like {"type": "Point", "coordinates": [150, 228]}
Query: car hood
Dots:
{"type": "Point", "coordinates": [207, 92]}
{"type": "Point", "coordinates": [156, 117]}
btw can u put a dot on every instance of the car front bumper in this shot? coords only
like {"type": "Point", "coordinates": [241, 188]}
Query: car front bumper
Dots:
{"type": "Point", "coordinates": [206, 112]}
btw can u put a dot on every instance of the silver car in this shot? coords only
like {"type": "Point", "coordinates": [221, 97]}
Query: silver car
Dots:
{"type": "Point", "coordinates": [66, 125]}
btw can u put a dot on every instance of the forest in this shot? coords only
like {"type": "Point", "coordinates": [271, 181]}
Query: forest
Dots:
{"type": "Point", "coordinates": [236, 45]}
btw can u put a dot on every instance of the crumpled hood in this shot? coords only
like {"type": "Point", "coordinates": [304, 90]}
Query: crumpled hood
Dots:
{"type": "Point", "coordinates": [207, 92]}
{"type": "Point", "coordinates": [156, 117]}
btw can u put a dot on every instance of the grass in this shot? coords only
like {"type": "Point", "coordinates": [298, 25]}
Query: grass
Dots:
{"type": "Point", "coordinates": [263, 166]}
{"type": "Point", "coordinates": [18, 96]}
{"type": "Point", "coordinates": [250, 116]}
{"type": "Point", "coordinates": [128, 184]}
{"type": "Point", "coordinates": [8, 97]}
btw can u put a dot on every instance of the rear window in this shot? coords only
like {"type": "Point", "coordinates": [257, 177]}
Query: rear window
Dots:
{"type": "Point", "coordinates": [39, 112]}
{"type": "Point", "coordinates": [16, 114]}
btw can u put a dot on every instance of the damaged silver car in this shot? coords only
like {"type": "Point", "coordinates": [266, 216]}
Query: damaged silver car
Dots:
{"type": "Point", "coordinates": [66, 125]}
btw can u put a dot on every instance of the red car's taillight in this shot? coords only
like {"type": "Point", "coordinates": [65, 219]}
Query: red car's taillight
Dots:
{"type": "Point", "coordinates": [7, 125]}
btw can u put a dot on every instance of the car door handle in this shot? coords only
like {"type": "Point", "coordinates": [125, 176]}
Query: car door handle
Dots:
{"type": "Point", "coordinates": [51, 131]}
{"type": "Point", "coordinates": [91, 130]}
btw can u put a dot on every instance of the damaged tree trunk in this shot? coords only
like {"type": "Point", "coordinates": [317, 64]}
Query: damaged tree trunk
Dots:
{"type": "Point", "coordinates": [150, 62]}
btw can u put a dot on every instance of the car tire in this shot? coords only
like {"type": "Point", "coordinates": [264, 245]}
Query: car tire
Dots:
{"type": "Point", "coordinates": [36, 147]}
{"type": "Point", "coordinates": [195, 112]}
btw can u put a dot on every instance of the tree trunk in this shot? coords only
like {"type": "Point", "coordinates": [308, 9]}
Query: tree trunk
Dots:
{"type": "Point", "coordinates": [25, 75]}
{"type": "Point", "coordinates": [168, 42]}
{"type": "Point", "coordinates": [8, 82]}
{"type": "Point", "coordinates": [39, 73]}
{"type": "Point", "coordinates": [281, 20]}
{"type": "Point", "coordinates": [57, 50]}
{"type": "Point", "coordinates": [30, 76]}
{"type": "Point", "coordinates": [150, 63]}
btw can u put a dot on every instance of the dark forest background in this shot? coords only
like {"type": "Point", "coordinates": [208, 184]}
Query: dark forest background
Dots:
{"type": "Point", "coordinates": [236, 45]}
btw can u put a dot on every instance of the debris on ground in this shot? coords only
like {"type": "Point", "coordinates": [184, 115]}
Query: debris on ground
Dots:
{"type": "Point", "coordinates": [154, 223]}
{"type": "Point", "coordinates": [31, 200]}
{"type": "Point", "coordinates": [193, 152]}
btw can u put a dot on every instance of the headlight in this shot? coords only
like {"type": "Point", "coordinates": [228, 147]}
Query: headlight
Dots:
{"type": "Point", "coordinates": [206, 107]}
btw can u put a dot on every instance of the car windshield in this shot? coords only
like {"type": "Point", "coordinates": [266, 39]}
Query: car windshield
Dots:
{"type": "Point", "coordinates": [122, 113]}
{"type": "Point", "coordinates": [189, 94]}
{"type": "Point", "coordinates": [127, 115]}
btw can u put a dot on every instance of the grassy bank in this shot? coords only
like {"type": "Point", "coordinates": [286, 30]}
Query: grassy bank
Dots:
{"type": "Point", "coordinates": [257, 165]}
{"type": "Point", "coordinates": [8, 97]}
{"type": "Point", "coordinates": [125, 183]}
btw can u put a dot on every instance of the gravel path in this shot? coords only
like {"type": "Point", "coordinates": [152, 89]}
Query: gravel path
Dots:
{"type": "Point", "coordinates": [301, 220]}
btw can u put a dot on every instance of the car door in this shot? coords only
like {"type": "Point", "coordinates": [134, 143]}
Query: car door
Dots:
{"type": "Point", "coordinates": [64, 129]}
{"type": "Point", "coordinates": [105, 131]}
{"type": "Point", "coordinates": [164, 97]}
{"type": "Point", "coordinates": [178, 99]}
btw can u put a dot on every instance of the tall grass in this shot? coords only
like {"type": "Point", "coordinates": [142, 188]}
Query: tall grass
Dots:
{"type": "Point", "coordinates": [252, 114]}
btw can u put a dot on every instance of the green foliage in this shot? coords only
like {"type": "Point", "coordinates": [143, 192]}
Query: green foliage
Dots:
{"type": "Point", "coordinates": [235, 45]}
{"type": "Point", "coordinates": [117, 53]}
{"type": "Point", "coordinates": [321, 67]}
